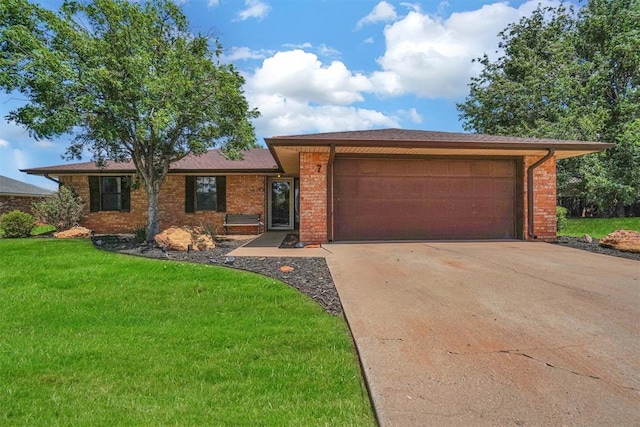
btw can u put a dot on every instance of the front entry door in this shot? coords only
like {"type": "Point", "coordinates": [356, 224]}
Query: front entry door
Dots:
{"type": "Point", "coordinates": [281, 208]}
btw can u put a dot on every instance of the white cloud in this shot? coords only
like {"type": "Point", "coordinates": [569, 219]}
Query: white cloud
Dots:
{"type": "Point", "coordinates": [300, 75]}
{"type": "Point", "coordinates": [325, 50]}
{"type": "Point", "coordinates": [20, 159]}
{"type": "Point", "coordinates": [416, 7]}
{"type": "Point", "coordinates": [285, 116]}
{"type": "Point", "coordinates": [242, 53]}
{"type": "Point", "coordinates": [213, 3]}
{"type": "Point", "coordinates": [411, 114]}
{"type": "Point", "coordinates": [427, 56]}
{"type": "Point", "coordinates": [443, 6]}
{"type": "Point", "coordinates": [44, 143]}
{"type": "Point", "coordinates": [431, 56]}
{"type": "Point", "coordinates": [369, 40]}
{"type": "Point", "coordinates": [254, 9]}
{"type": "Point", "coordinates": [305, 45]}
{"type": "Point", "coordinates": [4, 143]}
{"type": "Point", "coordinates": [295, 93]}
{"type": "Point", "coordinates": [382, 12]}
{"type": "Point", "coordinates": [13, 132]}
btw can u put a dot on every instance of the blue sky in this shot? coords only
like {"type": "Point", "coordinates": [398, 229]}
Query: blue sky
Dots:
{"type": "Point", "coordinates": [327, 65]}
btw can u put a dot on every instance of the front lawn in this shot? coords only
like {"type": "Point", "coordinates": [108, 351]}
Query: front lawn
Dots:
{"type": "Point", "coordinates": [38, 230]}
{"type": "Point", "coordinates": [96, 338]}
{"type": "Point", "coordinates": [598, 227]}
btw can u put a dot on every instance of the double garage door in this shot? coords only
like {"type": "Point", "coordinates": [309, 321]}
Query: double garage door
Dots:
{"type": "Point", "coordinates": [407, 199]}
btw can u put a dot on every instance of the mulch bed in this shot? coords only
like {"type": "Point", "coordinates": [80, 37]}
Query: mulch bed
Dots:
{"type": "Point", "coordinates": [310, 276]}
{"type": "Point", "coordinates": [573, 242]}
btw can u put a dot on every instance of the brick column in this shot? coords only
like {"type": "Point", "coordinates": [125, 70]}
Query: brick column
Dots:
{"type": "Point", "coordinates": [313, 197]}
{"type": "Point", "coordinates": [544, 195]}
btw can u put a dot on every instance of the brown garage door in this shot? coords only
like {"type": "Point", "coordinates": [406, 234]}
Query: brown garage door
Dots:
{"type": "Point", "coordinates": [404, 199]}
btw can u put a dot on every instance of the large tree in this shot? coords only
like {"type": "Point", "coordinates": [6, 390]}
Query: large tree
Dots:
{"type": "Point", "coordinates": [126, 80]}
{"type": "Point", "coordinates": [570, 75]}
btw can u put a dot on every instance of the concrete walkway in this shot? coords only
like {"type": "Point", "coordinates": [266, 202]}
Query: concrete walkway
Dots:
{"type": "Point", "coordinates": [269, 247]}
{"type": "Point", "coordinates": [507, 333]}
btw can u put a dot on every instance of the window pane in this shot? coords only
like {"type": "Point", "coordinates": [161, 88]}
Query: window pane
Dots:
{"type": "Point", "coordinates": [111, 188]}
{"type": "Point", "coordinates": [111, 185]}
{"type": "Point", "coordinates": [111, 202]}
{"type": "Point", "coordinates": [206, 197]}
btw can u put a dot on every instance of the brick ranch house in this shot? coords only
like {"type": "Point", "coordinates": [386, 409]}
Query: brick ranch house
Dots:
{"type": "Point", "coordinates": [388, 184]}
{"type": "Point", "coordinates": [18, 195]}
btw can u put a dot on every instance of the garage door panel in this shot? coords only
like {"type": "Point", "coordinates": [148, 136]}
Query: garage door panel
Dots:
{"type": "Point", "coordinates": [424, 199]}
{"type": "Point", "coordinates": [503, 186]}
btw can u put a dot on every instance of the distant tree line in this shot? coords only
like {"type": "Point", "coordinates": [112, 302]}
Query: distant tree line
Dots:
{"type": "Point", "coordinates": [570, 74]}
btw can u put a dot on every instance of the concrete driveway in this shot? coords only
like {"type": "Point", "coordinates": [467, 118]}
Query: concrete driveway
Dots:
{"type": "Point", "coordinates": [495, 333]}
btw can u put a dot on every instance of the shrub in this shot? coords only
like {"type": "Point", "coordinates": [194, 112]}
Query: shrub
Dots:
{"type": "Point", "coordinates": [208, 229]}
{"type": "Point", "coordinates": [17, 224]}
{"type": "Point", "coordinates": [561, 217]}
{"type": "Point", "coordinates": [62, 210]}
{"type": "Point", "coordinates": [140, 234]}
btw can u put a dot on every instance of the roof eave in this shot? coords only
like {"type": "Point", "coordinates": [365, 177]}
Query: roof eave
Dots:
{"type": "Point", "coordinates": [58, 172]}
{"type": "Point", "coordinates": [534, 144]}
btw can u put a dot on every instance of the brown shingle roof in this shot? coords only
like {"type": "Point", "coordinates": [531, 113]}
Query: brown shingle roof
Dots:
{"type": "Point", "coordinates": [378, 136]}
{"type": "Point", "coordinates": [285, 149]}
{"type": "Point", "coordinates": [9, 186]}
{"type": "Point", "coordinates": [255, 160]}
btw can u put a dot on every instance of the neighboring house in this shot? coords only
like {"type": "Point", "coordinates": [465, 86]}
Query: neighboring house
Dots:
{"type": "Point", "coordinates": [18, 195]}
{"type": "Point", "coordinates": [389, 184]}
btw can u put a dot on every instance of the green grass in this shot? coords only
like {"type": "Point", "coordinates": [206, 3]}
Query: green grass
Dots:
{"type": "Point", "coordinates": [598, 227]}
{"type": "Point", "coordinates": [96, 338]}
{"type": "Point", "coordinates": [42, 229]}
{"type": "Point", "coordinates": [37, 230]}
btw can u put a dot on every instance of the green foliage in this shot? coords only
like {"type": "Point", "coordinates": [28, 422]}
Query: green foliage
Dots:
{"type": "Point", "coordinates": [561, 218]}
{"type": "Point", "coordinates": [62, 210]}
{"type": "Point", "coordinates": [89, 337]}
{"type": "Point", "coordinates": [140, 234]}
{"type": "Point", "coordinates": [17, 224]}
{"type": "Point", "coordinates": [127, 79]}
{"type": "Point", "coordinates": [571, 76]}
{"type": "Point", "coordinates": [599, 227]}
{"type": "Point", "coordinates": [209, 229]}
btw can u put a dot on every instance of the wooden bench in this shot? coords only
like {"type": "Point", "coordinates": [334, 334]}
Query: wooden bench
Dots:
{"type": "Point", "coordinates": [242, 220]}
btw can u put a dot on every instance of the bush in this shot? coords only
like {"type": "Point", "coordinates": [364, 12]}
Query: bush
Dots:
{"type": "Point", "coordinates": [17, 224]}
{"type": "Point", "coordinates": [140, 234]}
{"type": "Point", "coordinates": [561, 217]}
{"type": "Point", "coordinates": [62, 210]}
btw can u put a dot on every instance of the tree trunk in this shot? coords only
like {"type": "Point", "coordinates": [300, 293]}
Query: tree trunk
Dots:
{"type": "Point", "coordinates": [620, 211]}
{"type": "Point", "coordinates": [153, 221]}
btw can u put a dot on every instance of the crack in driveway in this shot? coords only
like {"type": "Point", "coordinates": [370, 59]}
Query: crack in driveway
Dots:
{"type": "Point", "coordinates": [550, 365]}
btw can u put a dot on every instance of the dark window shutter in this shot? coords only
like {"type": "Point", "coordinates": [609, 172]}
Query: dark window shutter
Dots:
{"type": "Point", "coordinates": [221, 191]}
{"type": "Point", "coordinates": [125, 195]}
{"type": "Point", "coordinates": [190, 194]}
{"type": "Point", "coordinates": [94, 194]}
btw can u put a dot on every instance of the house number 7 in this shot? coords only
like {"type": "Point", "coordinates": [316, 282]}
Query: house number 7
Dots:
{"type": "Point", "coordinates": [319, 168]}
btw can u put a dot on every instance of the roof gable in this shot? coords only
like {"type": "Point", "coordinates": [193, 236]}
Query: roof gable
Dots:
{"type": "Point", "coordinates": [9, 186]}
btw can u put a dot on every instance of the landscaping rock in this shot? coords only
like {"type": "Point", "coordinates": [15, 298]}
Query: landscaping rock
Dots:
{"type": "Point", "coordinates": [185, 239]}
{"type": "Point", "coordinates": [622, 240]}
{"type": "Point", "coordinates": [286, 269]}
{"type": "Point", "coordinates": [73, 233]}
{"type": "Point", "coordinates": [585, 238]}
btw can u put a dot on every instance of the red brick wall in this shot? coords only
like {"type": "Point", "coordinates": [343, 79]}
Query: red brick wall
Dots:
{"type": "Point", "coordinates": [544, 194]}
{"type": "Point", "coordinates": [245, 194]}
{"type": "Point", "coordinates": [21, 203]}
{"type": "Point", "coordinates": [313, 197]}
